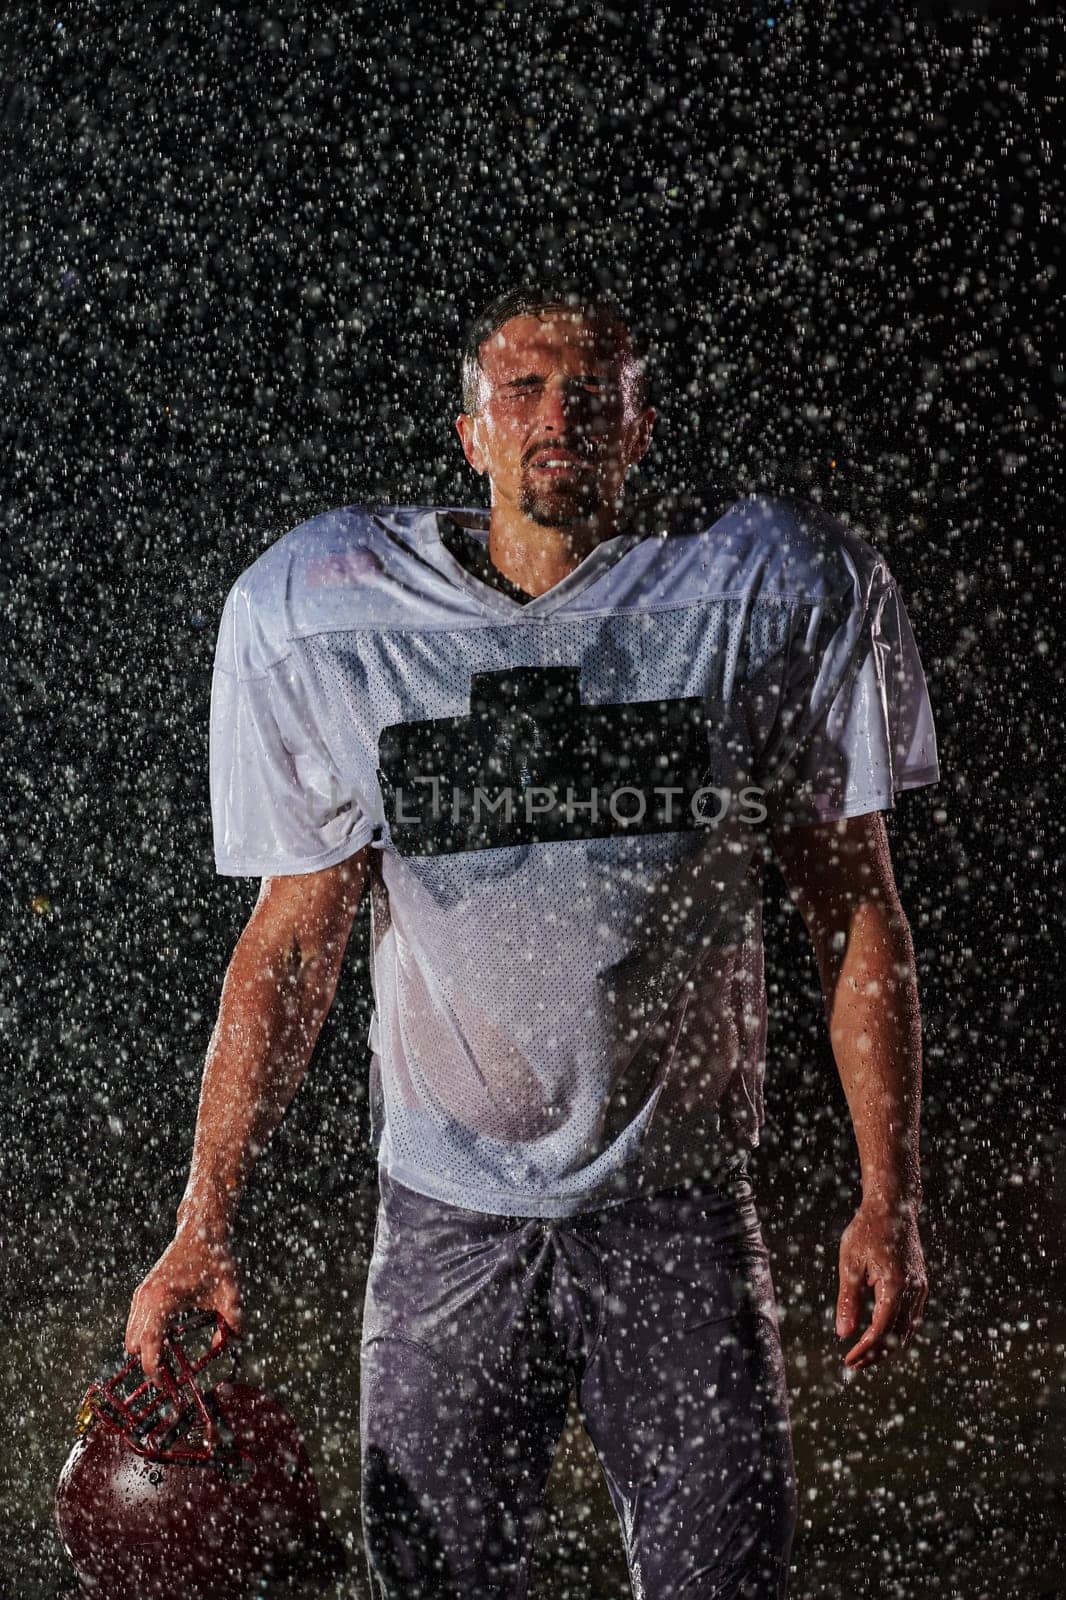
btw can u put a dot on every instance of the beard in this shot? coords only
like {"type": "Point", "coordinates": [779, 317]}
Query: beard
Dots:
{"type": "Point", "coordinates": [560, 505]}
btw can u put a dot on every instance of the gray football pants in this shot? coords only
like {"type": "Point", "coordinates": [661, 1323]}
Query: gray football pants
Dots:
{"type": "Point", "coordinates": [661, 1310]}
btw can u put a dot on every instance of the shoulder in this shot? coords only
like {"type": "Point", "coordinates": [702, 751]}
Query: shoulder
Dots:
{"type": "Point", "coordinates": [303, 572]}
{"type": "Point", "coordinates": [327, 546]}
{"type": "Point", "coordinates": [818, 555]}
{"type": "Point", "coordinates": [783, 544]}
{"type": "Point", "coordinates": [771, 546]}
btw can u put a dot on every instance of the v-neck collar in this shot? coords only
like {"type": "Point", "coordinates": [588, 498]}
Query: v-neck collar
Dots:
{"type": "Point", "coordinates": [476, 523]}
{"type": "Point", "coordinates": [471, 551]}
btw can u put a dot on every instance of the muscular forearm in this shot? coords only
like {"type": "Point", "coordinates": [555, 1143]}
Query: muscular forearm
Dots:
{"type": "Point", "coordinates": [875, 1029]}
{"type": "Point", "coordinates": [272, 1008]}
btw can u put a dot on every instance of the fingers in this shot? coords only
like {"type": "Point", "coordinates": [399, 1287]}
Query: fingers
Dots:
{"type": "Point", "coordinates": [154, 1306]}
{"type": "Point", "coordinates": [849, 1302]}
{"type": "Point", "coordinates": [228, 1304]}
{"type": "Point", "coordinates": [131, 1337]}
{"type": "Point", "coordinates": [135, 1324]}
{"type": "Point", "coordinates": [144, 1331]}
{"type": "Point", "coordinates": [871, 1345]}
{"type": "Point", "coordinates": [191, 1274]}
{"type": "Point", "coordinates": [915, 1310]}
{"type": "Point", "coordinates": [151, 1350]}
{"type": "Point", "coordinates": [897, 1312]}
{"type": "Point", "coordinates": [876, 1250]}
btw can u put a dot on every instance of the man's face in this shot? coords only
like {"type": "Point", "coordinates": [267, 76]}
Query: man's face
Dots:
{"type": "Point", "coordinates": [557, 426]}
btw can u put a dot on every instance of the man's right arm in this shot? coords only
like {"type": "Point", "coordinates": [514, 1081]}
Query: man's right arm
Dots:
{"type": "Point", "coordinates": [277, 992]}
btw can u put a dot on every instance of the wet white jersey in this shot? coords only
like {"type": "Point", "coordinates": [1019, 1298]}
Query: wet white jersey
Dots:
{"type": "Point", "coordinates": [563, 799]}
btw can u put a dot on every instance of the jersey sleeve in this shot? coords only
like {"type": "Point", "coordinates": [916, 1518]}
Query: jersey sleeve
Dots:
{"type": "Point", "coordinates": [856, 725]}
{"type": "Point", "coordinates": [278, 804]}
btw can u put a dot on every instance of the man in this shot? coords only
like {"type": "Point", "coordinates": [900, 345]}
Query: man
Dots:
{"type": "Point", "coordinates": [552, 738]}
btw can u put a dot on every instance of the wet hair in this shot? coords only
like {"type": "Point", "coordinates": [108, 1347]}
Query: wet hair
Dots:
{"type": "Point", "coordinates": [594, 305]}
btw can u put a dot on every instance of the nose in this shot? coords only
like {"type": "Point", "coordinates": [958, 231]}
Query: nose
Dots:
{"type": "Point", "coordinates": [564, 405]}
{"type": "Point", "coordinates": [557, 406]}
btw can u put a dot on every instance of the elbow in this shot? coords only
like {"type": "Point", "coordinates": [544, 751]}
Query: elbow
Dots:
{"type": "Point", "coordinates": [869, 946]}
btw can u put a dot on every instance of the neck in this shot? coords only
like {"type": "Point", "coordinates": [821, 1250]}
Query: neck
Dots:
{"type": "Point", "coordinates": [535, 557]}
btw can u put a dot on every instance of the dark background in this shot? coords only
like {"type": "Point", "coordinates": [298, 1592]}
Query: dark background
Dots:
{"type": "Point", "coordinates": [239, 246]}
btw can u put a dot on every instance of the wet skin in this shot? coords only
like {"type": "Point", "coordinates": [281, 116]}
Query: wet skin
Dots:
{"type": "Point", "coordinates": [840, 875]}
{"type": "Point", "coordinates": [556, 431]}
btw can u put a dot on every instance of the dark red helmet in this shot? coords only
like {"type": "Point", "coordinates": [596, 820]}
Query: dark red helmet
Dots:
{"type": "Point", "coordinates": [200, 1490]}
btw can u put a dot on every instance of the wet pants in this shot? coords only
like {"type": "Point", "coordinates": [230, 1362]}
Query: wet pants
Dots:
{"type": "Point", "coordinates": [660, 1309]}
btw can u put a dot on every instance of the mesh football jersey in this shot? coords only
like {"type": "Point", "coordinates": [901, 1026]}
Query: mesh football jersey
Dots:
{"type": "Point", "coordinates": [563, 799]}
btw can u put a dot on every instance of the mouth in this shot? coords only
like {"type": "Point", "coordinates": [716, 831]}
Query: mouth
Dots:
{"type": "Point", "coordinates": [559, 463]}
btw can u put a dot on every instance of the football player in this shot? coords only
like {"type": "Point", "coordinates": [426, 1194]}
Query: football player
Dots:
{"type": "Point", "coordinates": [558, 739]}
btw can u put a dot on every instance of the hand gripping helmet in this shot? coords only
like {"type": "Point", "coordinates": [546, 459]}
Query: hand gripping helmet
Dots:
{"type": "Point", "coordinates": [200, 1490]}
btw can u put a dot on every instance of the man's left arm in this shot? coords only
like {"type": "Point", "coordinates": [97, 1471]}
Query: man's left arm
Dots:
{"type": "Point", "coordinates": [840, 876]}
